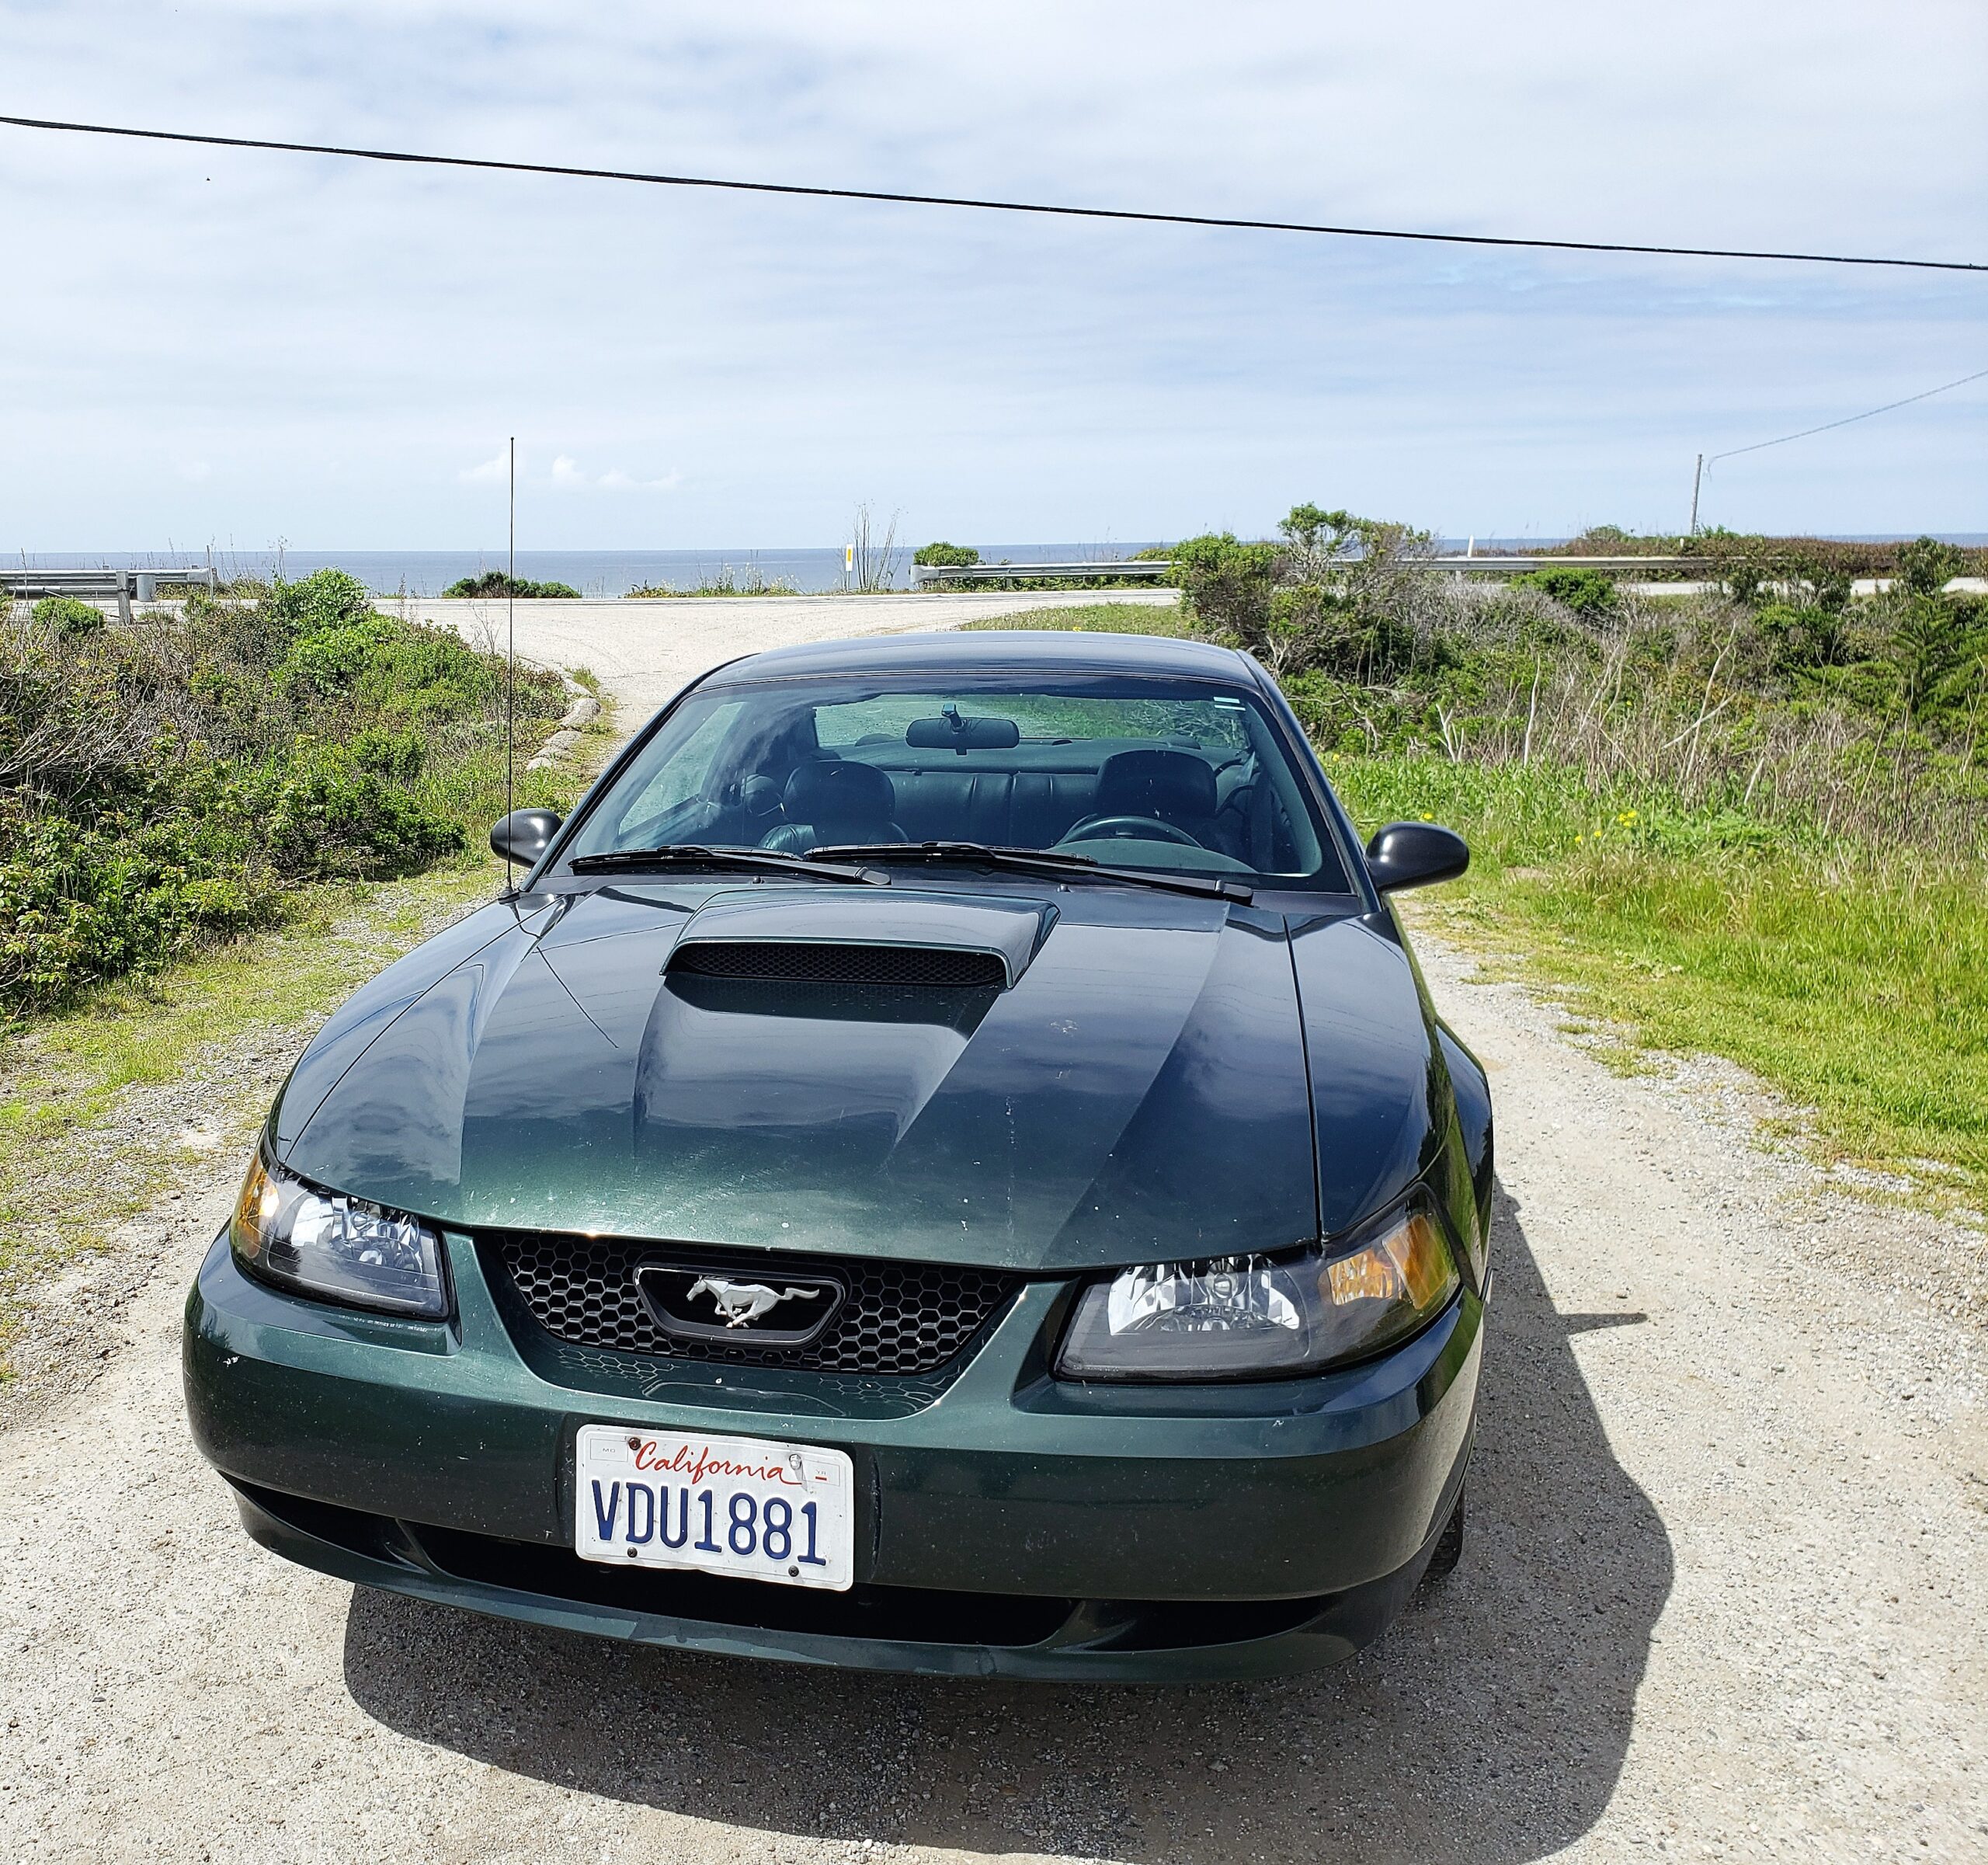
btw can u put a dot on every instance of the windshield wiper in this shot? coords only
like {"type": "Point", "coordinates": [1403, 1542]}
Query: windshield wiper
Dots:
{"type": "Point", "coordinates": [692, 854]}
{"type": "Point", "coordinates": [1040, 860]}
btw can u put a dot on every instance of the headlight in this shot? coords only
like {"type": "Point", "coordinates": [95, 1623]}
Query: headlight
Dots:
{"type": "Point", "coordinates": [344, 1249]}
{"type": "Point", "coordinates": [1242, 1317]}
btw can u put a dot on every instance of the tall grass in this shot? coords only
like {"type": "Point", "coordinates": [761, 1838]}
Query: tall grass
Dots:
{"type": "Point", "coordinates": [725, 582]}
{"type": "Point", "coordinates": [1853, 979]}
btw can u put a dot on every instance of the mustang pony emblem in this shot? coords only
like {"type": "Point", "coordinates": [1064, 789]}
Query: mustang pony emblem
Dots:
{"type": "Point", "coordinates": [742, 1303]}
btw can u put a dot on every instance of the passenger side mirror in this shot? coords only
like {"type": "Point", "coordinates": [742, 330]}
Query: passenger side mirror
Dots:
{"type": "Point", "coordinates": [524, 835]}
{"type": "Point", "coordinates": [1415, 854]}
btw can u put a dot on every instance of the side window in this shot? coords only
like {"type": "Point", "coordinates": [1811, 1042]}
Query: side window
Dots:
{"type": "Point", "coordinates": [683, 775]}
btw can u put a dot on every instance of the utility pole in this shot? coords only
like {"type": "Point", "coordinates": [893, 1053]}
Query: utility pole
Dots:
{"type": "Point", "coordinates": [1697, 473]}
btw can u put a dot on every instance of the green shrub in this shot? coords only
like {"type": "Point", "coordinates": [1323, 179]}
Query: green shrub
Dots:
{"type": "Point", "coordinates": [324, 600]}
{"type": "Point", "coordinates": [1926, 565]}
{"type": "Point", "coordinates": [490, 583]}
{"type": "Point", "coordinates": [336, 818]}
{"type": "Point", "coordinates": [1589, 592]}
{"type": "Point", "coordinates": [949, 556]}
{"type": "Point", "coordinates": [68, 615]}
{"type": "Point", "coordinates": [330, 659]}
{"type": "Point", "coordinates": [1226, 583]}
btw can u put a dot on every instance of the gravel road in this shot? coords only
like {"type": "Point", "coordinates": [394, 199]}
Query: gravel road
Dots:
{"type": "Point", "coordinates": [1725, 1593]}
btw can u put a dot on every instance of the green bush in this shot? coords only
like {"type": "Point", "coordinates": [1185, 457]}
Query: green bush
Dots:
{"type": "Point", "coordinates": [491, 583]}
{"type": "Point", "coordinates": [334, 817]}
{"type": "Point", "coordinates": [1926, 565]}
{"type": "Point", "coordinates": [1226, 583]}
{"type": "Point", "coordinates": [329, 660]}
{"type": "Point", "coordinates": [68, 615]}
{"type": "Point", "coordinates": [949, 556]}
{"type": "Point", "coordinates": [1589, 592]}
{"type": "Point", "coordinates": [324, 600]}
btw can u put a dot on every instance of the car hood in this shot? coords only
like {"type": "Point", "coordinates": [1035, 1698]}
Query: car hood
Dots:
{"type": "Point", "coordinates": [1135, 1086]}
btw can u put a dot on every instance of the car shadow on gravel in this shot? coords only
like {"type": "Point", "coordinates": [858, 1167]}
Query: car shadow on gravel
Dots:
{"type": "Point", "coordinates": [1489, 1725]}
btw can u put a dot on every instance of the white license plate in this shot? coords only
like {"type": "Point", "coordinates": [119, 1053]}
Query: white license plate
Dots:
{"type": "Point", "coordinates": [740, 1506]}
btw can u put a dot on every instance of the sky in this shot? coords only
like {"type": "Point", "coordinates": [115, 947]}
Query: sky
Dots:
{"type": "Point", "coordinates": [206, 347]}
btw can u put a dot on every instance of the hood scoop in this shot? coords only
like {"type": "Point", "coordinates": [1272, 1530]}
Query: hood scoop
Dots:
{"type": "Point", "coordinates": [806, 937]}
{"type": "Point", "coordinates": [820, 962]}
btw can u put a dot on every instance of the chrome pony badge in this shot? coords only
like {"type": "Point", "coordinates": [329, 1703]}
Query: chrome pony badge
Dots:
{"type": "Point", "coordinates": [742, 1303]}
{"type": "Point", "coordinates": [704, 1305]}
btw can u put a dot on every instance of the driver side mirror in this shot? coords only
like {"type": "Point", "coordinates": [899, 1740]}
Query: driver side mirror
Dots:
{"type": "Point", "coordinates": [1415, 854]}
{"type": "Point", "coordinates": [524, 835]}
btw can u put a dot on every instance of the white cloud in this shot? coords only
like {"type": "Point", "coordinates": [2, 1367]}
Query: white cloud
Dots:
{"type": "Point", "coordinates": [497, 468]}
{"type": "Point", "coordinates": [568, 473]}
{"type": "Point", "coordinates": [614, 480]}
{"type": "Point", "coordinates": [1000, 379]}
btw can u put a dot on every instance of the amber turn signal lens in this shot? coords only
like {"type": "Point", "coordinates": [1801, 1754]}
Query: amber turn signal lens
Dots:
{"type": "Point", "coordinates": [1411, 1263]}
{"type": "Point", "coordinates": [256, 1208]}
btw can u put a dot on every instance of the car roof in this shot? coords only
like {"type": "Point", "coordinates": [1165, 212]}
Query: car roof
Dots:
{"type": "Point", "coordinates": [1041, 650]}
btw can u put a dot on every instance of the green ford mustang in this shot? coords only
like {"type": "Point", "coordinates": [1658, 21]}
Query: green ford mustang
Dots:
{"type": "Point", "coordinates": [946, 1163]}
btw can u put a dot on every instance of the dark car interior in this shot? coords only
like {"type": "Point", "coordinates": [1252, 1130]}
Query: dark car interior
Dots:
{"type": "Point", "coordinates": [1173, 802]}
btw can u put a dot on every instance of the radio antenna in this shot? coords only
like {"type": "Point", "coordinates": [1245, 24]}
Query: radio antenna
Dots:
{"type": "Point", "coordinates": [511, 633]}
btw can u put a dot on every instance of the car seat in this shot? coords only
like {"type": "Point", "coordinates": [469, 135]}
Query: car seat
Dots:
{"type": "Point", "coordinates": [830, 803]}
{"type": "Point", "coordinates": [1176, 788]}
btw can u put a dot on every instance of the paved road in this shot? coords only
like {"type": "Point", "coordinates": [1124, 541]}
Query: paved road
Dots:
{"type": "Point", "coordinates": [1725, 1594]}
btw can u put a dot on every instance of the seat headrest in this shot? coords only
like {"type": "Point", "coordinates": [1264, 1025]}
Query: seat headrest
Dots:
{"type": "Point", "coordinates": [840, 792]}
{"type": "Point", "coordinates": [1161, 783]}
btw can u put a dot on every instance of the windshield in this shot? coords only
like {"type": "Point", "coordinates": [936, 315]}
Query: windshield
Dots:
{"type": "Point", "coordinates": [1166, 776]}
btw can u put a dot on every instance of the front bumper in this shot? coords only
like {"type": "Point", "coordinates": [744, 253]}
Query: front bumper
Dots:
{"type": "Point", "coordinates": [1005, 1523]}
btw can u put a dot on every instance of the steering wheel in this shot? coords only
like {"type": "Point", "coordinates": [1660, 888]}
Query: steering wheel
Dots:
{"type": "Point", "coordinates": [1127, 828]}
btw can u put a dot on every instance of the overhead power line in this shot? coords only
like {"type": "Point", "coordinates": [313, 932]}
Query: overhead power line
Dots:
{"type": "Point", "coordinates": [573, 172]}
{"type": "Point", "coordinates": [1907, 401]}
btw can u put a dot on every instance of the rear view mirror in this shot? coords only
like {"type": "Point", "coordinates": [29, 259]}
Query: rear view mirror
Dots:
{"type": "Point", "coordinates": [957, 732]}
{"type": "Point", "coordinates": [524, 835]}
{"type": "Point", "coordinates": [1415, 854]}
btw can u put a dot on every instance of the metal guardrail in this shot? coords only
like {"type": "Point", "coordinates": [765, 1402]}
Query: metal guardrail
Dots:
{"type": "Point", "coordinates": [1147, 570]}
{"type": "Point", "coordinates": [928, 575]}
{"type": "Point", "coordinates": [1477, 564]}
{"type": "Point", "coordinates": [125, 585]}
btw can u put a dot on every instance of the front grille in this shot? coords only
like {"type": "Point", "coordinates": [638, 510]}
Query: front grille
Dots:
{"type": "Point", "coordinates": [897, 1318]}
{"type": "Point", "coordinates": [806, 963]}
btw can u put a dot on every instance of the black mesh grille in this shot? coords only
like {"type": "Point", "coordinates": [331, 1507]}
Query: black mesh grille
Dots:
{"type": "Point", "coordinates": [804, 963]}
{"type": "Point", "coordinates": [899, 1317]}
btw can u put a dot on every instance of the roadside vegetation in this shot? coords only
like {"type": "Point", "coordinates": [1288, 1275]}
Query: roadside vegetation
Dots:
{"type": "Point", "coordinates": [727, 582]}
{"type": "Point", "coordinates": [1741, 560]}
{"type": "Point", "coordinates": [177, 782]}
{"type": "Point", "coordinates": [1752, 823]}
{"type": "Point", "coordinates": [492, 583]}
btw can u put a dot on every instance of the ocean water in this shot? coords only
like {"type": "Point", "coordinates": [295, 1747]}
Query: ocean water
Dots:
{"type": "Point", "coordinates": [807, 569]}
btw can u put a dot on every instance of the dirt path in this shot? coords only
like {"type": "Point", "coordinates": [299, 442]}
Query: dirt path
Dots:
{"type": "Point", "coordinates": [1725, 1595]}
